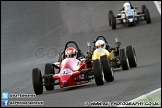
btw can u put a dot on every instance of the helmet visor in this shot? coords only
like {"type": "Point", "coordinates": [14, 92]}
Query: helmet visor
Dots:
{"type": "Point", "coordinates": [127, 7]}
{"type": "Point", "coordinates": [100, 46]}
{"type": "Point", "coordinates": [70, 55]}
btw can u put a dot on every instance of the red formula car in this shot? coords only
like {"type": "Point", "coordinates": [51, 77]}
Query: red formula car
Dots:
{"type": "Point", "coordinates": [71, 72]}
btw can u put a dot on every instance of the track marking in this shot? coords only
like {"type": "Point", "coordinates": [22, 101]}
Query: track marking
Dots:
{"type": "Point", "coordinates": [81, 14]}
{"type": "Point", "coordinates": [141, 97]}
{"type": "Point", "coordinates": [51, 31]}
{"type": "Point", "coordinates": [158, 6]}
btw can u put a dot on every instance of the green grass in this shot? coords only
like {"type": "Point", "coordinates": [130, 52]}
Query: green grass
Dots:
{"type": "Point", "coordinates": [153, 100]}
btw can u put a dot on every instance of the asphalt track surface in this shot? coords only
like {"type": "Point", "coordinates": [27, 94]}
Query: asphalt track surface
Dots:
{"type": "Point", "coordinates": [32, 33]}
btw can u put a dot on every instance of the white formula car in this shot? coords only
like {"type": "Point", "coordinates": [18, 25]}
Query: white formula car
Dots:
{"type": "Point", "coordinates": [129, 15]}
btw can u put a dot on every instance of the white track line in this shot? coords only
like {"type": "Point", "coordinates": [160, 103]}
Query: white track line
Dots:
{"type": "Point", "coordinates": [158, 6]}
{"type": "Point", "coordinates": [136, 99]}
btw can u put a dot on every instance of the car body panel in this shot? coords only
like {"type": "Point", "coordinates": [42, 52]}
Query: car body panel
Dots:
{"type": "Point", "coordinates": [100, 52]}
{"type": "Point", "coordinates": [69, 72]}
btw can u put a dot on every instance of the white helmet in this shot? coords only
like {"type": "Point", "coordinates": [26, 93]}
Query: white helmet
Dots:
{"type": "Point", "coordinates": [100, 43]}
{"type": "Point", "coordinates": [127, 6]}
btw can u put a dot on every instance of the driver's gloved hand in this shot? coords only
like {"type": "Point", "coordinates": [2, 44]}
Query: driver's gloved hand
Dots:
{"type": "Point", "coordinates": [112, 49]}
{"type": "Point", "coordinates": [79, 58]}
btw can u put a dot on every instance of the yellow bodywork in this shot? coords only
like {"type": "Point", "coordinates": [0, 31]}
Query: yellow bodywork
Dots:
{"type": "Point", "coordinates": [100, 52]}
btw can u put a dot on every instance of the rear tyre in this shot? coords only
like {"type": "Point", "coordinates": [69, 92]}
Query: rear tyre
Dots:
{"type": "Point", "coordinates": [107, 69]}
{"type": "Point", "coordinates": [110, 13]}
{"type": "Point", "coordinates": [131, 56]}
{"type": "Point", "coordinates": [49, 70]}
{"type": "Point", "coordinates": [37, 81]}
{"type": "Point", "coordinates": [123, 59]}
{"type": "Point", "coordinates": [147, 16]}
{"type": "Point", "coordinates": [113, 21]}
{"type": "Point", "coordinates": [98, 72]}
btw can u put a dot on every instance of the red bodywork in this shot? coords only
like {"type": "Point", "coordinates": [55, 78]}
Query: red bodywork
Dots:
{"type": "Point", "coordinates": [70, 72]}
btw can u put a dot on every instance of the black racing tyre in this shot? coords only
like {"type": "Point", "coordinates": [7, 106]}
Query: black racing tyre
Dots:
{"type": "Point", "coordinates": [49, 70]}
{"type": "Point", "coordinates": [107, 69]}
{"type": "Point", "coordinates": [131, 56]}
{"type": "Point", "coordinates": [113, 21]}
{"type": "Point", "coordinates": [143, 10]}
{"type": "Point", "coordinates": [97, 72]}
{"type": "Point", "coordinates": [123, 59]}
{"type": "Point", "coordinates": [147, 15]}
{"type": "Point", "coordinates": [110, 12]}
{"type": "Point", "coordinates": [37, 81]}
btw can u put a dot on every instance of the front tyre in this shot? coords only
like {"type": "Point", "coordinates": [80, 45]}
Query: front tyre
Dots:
{"type": "Point", "coordinates": [98, 72]}
{"type": "Point", "coordinates": [49, 70]}
{"type": "Point", "coordinates": [123, 59]}
{"type": "Point", "coordinates": [109, 14]}
{"type": "Point", "coordinates": [131, 56]}
{"type": "Point", "coordinates": [143, 10]}
{"type": "Point", "coordinates": [113, 21]}
{"type": "Point", "coordinates": [37, 81]}
{"type": "Point", "coordinates": [147, 15]}
{"type": "Point", "coordinates": [107, 69]}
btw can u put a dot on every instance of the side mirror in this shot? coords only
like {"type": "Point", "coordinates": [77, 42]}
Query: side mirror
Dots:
{"type": "Point", "coordinates": [89, 48]}
{"type": "Point", "coordinates": [59, 57]}
{"type": "Point", "coordinates": [56, 65]}
{"type": "Point", "coordinates": [117, 42]}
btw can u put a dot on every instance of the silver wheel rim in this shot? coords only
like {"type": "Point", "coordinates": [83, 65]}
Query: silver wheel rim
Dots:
{"type": "Point", "coordinates": [112, 72]}
{"type": "Point", "coordinates": [103, 78]}
{"type": "Point", "coordinates": [127, 62]}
